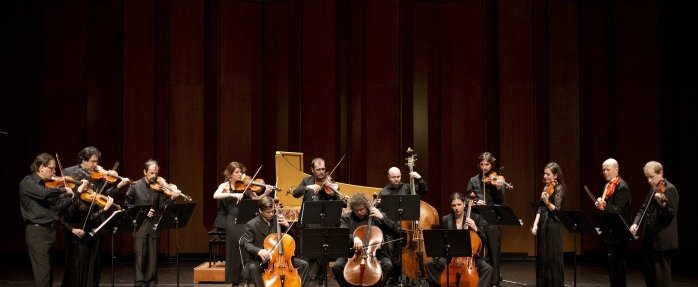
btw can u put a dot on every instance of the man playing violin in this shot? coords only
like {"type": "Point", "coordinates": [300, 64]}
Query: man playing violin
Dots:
{"type": "Point", "coordinates": [361, 211]}
{"type": "Point", "coordinates": [140, 193]}
{"type": "Point", "coordinates": [615, 200]}
{"type": "Point", "coordinates": [256, 230]}
{"type": "Point", "coordinates": [38, 205]}
{"type": "Point", "coordinates": [660, 233]}
{"type": "Point", "coordinates": [457, 220]}
{"type": "Point", "coordinates": [489, 193]}
{"type": "Point", "coordinates": [228, 199]}
{"type": "Point", "coordinates": [89, 162]}
{"type": "Point", "coordinates": [310, 187]}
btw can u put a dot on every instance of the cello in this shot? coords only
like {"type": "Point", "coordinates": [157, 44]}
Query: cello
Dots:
{"type": "Point", "coordinates": [280, 271]}
{"type": "Point", "coordinates": [413, 254]}
{"type": "Point", "coordinates": [464, 268]}
{"type": "Point", "coordinates": [364, 269]}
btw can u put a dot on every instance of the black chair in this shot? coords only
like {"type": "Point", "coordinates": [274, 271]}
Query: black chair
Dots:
{"type": "Point", "coordinates": [216, 239]}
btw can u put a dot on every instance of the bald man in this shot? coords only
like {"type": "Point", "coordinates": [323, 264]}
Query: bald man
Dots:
{"type": "Point", "coordinates": [615, 199]}
{"type": "Point", "coordinates": [396, 187]}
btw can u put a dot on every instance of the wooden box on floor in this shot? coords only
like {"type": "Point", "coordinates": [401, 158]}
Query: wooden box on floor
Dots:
{"type": "Point", "coordinates": [214, 274]}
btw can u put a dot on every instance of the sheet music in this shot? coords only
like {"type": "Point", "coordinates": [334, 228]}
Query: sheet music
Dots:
{"type": "Point", "coordinates": [98, 228]}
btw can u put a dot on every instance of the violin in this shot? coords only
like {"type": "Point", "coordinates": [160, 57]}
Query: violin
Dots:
{"type": "Point", "coordinates": [256, 185]}
{"type": "Point", "coordinates": [493, 177]}
{"type": "Point", "coordinates": [661, 186]}
{"type": "Point", "coordinates": [102, 174]}
{"type": "Point", "coordinates": [463, 268]}
{"type": "Point", "coordinates": [280, 271]}
{"type": "Point", "coordinates": [364, 269]}
{"type": "Point", "coordinates": [326, 184]}
{"type": "Point", "coordinates": [169, 189]}
{"type": "Point", "coordinates": [550, 188]}
{"type": "Point", "coordinates": [101, 200]}
{"type": "Point", "coordinates": [61, 181]}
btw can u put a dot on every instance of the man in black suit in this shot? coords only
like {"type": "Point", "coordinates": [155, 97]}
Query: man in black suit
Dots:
{"type": "Point", "coordinates": [660, 232]}
{"type": "Point", "coordinates": [140, 193]}
{"type": "Point", "coordinates": [615, 200]}
{"type": "Point", "coordinates": [256, 230]}
{"type": "Point", "coordinates": [457, 220]}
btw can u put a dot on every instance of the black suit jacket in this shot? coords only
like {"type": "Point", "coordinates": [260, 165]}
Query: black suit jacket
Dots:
{"type": "Point", "coordinates": [139, 193]}
{"type": "Point", "coordinates": [660, 230]}
{"type": "Point", "coordinates": [256, 230]}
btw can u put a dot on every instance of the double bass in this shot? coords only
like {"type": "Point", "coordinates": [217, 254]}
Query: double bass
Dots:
{"type": "Point", "coordinates": [280, 271]}
{"type": "Point", "coordinates": [364, 269]}
{"type": "Point", "coordinates": [413, 254]}
{"type": "Point", "coordinates": [462, 270]}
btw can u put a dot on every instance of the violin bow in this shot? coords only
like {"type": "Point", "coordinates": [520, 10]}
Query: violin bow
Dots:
{"type": "Point", "coordinates": [60, 168]}
{"type": "Point", "coordinates": [333, 169]}
{"type": "Point", "coordinates": [92, 202]}
{"type": "Point", "coordinates": [251, 179]}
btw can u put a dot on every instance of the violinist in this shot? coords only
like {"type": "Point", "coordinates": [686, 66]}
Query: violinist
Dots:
{"type": "Point", "coordinates": [83, 266]}
{"type": "Point", "coordinates": [256, 230]}
{"type": "Point", "coordinates": [457, 220]}
{"type": "Point", "coordinates": [548, 229]}
{"type": "Point", "coordinates": [228, 197]}
{"type": "Point", "coordinates": [657, 217]}
{"type": "Point", "coordinates": [89, 164]}
{"type": "Point", "coordinates": [146, 245]}
{"type": "Point", "coordinates": [310, 187]}
{"type": "Point", "coordinates": [489, 192]}
{"type": "Point", "coordinates": [39, 206]}
{"type": "Point", "coordinates": [361, 210]}
{"type": "Point", "coordinates": [615, 199]}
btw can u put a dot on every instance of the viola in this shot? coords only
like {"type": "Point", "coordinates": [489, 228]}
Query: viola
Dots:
{"type": "Point", "coordinates": [101, 200]}
{"type": "Point", "coordinates": [493, 177]}
{"type": "Point", "coordinates": [280, 271]}
{"type": "Point", "coordinates": [61, 181]}
{"type": "Point", "coordinates": [102, 174]}
{"type": "Point", "coordinates": [161, 185]}
{"type": "Point", "coordinates": [462, 270]}
{"type": "Point", "coordinates": [364, 269]}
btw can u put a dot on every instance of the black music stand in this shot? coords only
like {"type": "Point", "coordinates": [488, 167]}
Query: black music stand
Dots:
{"type": "Point", "coordinates": [575, 222]}
{"type": "Point", "coordinates": [499, 215]}
{"type": "Point", "coordinates": [324, 213]}
{"type": "Point", "coordinates": [175, 216]}
{"type": "Point", "coordinates": [319, 215]}
{"type": "Point", "coordinates": [335, 243]}
{"type": "Point", "coordinates": [131, 221]}
{"type": "Point", "coordinates": [247, 209]}
{"type": "Point", "coordinates": [402, 207]}
{"type": "Point", "coordinates": [613, 223]}
{"type": "Point", "coordinates": [447, 243]}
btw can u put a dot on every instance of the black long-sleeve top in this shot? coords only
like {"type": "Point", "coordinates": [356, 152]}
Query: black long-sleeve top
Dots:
{"type": "Point", "coordinates": [660, 227]}
{"type": "Point", "coordinates": [492, 196]}
{"type": "Point", "coordinates": [79, 173]}
{"type": "Point", "coordinates": [404, 188]}
{"type": "Point", "coordinates": [308, 195]}
{"type": "Point", "coordinates": [38, 204]}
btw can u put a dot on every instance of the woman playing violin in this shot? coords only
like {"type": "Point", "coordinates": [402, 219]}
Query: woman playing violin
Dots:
{"type": "Point", "coordinates": [82, 250]}
{"type": "Point", "coordinates": [548, 229]}
{"type": "Point", "coordinates": [228, 196]}
{"type": "Point", "coordinates": [457, 220]}
{"type": "Point", "coordinates": [657, 216]}
{"type": "Point", "coordinates": [141, 194]}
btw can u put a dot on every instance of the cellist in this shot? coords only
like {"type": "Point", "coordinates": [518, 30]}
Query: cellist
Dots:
{"type": "Point", "coordinates": [361, 210]}
{"type": "Point", "coordinates": [252, 241]}
{"type": "Point", "coordinates": [456, 220]}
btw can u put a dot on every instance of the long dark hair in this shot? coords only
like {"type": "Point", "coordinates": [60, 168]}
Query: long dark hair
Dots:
{"type": "Point", "coordinates": [556, 170]}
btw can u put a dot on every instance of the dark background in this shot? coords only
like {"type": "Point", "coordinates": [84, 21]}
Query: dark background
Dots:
{"type": "Point", "coordinates": [197, 84]}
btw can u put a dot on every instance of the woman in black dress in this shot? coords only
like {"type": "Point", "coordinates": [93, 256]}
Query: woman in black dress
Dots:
{"type": "Point", "coordinates": [548, 229]}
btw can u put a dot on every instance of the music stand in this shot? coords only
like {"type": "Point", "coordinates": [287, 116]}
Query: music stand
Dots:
{"type": "Point", "coordinates": [247, 209]}
{"type": "Point", "coordinates": [402, 207]}
{"type": "Point", "coordinates": [175, 216]}
{"type": "Point", "coordinates": [326, 213]}
{"type": "Point", "coordinates": [575, 222]}
{"type": "Point", "coordinates": [131, 221]}
{"type": "Point", "coordinates": [447, 243]}
{"type": "Point", "coordinates": [613, 223]}
{"type": "Point", "coordinates": [499, 215]}
{"type": "Point", "coordinates": [335, 243]}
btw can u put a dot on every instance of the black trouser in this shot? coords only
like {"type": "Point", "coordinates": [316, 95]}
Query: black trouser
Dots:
{"type": "Point", "coordinates": [656, 268]}
{"type": "Point", "coordinates": [617, 253]}
{"type": "Point", "coordinates": [40, 240]}
{"type": "Point", "coordinates": [494, 240]}
{"type": "Point", "coordinates": [254, 270]}
{"type": "Point", "coordinates": [233, 261]}
{"type": "Point", "coordinates": [338, 270]}
{"type": "Point", "coordinates": [436, 267]}
{"type": "Point", "coordinates": [147, 250]}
